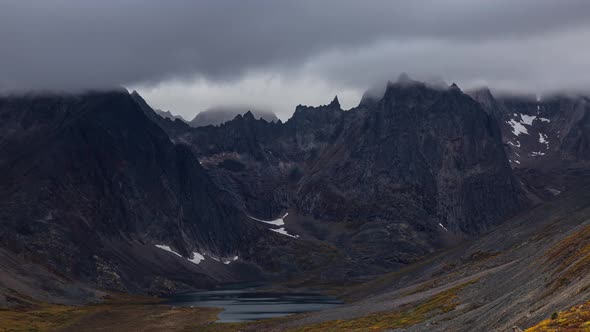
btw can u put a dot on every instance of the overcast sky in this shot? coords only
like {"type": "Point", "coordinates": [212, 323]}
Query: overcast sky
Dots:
{"type": "Point", "coordinates": [186, 56]}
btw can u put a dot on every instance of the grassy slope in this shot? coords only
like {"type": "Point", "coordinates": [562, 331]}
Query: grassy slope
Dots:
{"type": "Point", "coordinates": [441, 303]}
{"type": "Point", "coordinates": [121, 312]}
{"type": "Point", "coordinates": [145, 314]}
{"type": "Point", "coordinates": [575, 319]}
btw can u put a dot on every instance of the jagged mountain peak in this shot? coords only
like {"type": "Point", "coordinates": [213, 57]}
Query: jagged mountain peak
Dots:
{"type": "Point", "coordinates": [334, 105]}
{"type": "Point", "coordinates": [335, 102]}
{"type": "Point", "coordinates": [218, 115]}
{"type": "Point", "coordinates": [169, 115]}
{"type": "Point", "coordinates": [249, 115]}
{"type": "Point", "coordinates": [389, 132]}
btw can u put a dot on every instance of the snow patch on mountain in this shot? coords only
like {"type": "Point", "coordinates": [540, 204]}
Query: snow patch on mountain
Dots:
{"type": "Point", "coordinates": [517, 145]}
{"type": "Point", "coordinates": [231, 260]}
{"type": "Point", "coordinates": [543, 139]}
{"type": "Point", "coordinates": [520, 121]}
{"type": "Point", "coordinates": [197, 258]}
{"type": "Point", "coordinates": [167, 248]}
{"type": "Point", "coordinates": [282, 230]}
{"type": "Point", "coordinates": [276, 222]}
{"type": "Point", "coordinates": [517, 127]}
{"type": "Point", "coordinates": [528, 119]}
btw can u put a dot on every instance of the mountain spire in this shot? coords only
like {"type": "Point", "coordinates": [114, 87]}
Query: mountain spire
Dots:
{"type": "Point", "coordinates": [455, 87]}
{"type": "Point", "coordinates": [248, 115]}
{"type": "Point", "coordinates": [335, 102]}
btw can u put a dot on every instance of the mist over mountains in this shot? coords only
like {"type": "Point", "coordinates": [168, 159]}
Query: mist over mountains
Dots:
{"type": "Point", "coordinates": [218, 115]}
{"type": "Point", "coordinates": [100, 193]}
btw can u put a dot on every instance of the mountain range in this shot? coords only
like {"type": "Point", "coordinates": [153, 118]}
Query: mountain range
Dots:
{"type": "Point", "coordinates": [418, 192]}
{"type": "Point", "coordinates": [218, 115]}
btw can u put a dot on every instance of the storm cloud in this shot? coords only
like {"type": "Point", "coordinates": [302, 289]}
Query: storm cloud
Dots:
{"type": "Point", "coordinates": [190, 55]}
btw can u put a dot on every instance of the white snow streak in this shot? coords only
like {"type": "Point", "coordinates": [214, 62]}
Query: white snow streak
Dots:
{"type": "Point", "coordinates": [231, 260]}
{"type": "Point", "coordinates": [214, 258]}
{"type": "Point", "coordinates": [517, 145]}
{"type": "Point", "coordinates": [276, 222]}
{"type": "Point", "coordinates": [536, 153]}
{"type": "Point", "coordinates": [543, 139]}
{"type": "Point", "coordinates": [196, 257]}
{"type": "Point", "coordinates": [284, 232]}
{"type": "Point", "coordinates": [167, 248]}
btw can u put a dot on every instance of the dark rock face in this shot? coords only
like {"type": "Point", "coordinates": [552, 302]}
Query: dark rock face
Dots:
{"type": "Point", "coordinates": [420, 156]}
{"type": "Point", "coordinates": [168, 115]}
{"type": "Point", "coordinates": [400, 172]}
{"type": "Point", "coordinates": [92, 183]}
{"type": "Point", "coordinates": [219, 115]}
{"type": "Point", "coordinates": [546, 139]}
{"type": "Point", "coordinates": [573, 118]}
{"type": "Point", "coordinates": [89, 179]}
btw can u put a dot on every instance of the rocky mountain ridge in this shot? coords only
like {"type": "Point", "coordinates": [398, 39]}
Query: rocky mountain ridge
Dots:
{"type": "Point", "coordinates": [218, 115]}
{"type": "Point", "coordinates": [100, 189]}
{"type": "Point", "coordinates": [94, 190]}
{"type": "Point", "coordinates": [410, 171]}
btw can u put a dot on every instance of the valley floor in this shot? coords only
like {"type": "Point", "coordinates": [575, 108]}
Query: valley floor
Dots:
{"type": "Point", "coordinates": [422, 306]}
{"type": "Point", "coordinates": [145, 314]}
{"type": "Point", "coordinates": [120, 313]}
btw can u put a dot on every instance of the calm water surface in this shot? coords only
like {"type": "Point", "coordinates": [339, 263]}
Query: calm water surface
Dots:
{"type": "Point", "coordinates": [244, 303]}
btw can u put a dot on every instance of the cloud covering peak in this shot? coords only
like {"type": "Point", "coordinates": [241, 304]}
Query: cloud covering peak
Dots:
{"type": "Point", "coordinates": [347, 45]}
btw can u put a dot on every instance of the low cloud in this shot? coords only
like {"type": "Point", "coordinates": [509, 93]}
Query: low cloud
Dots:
{"type": "Point", "coordinates": [282, 53]}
